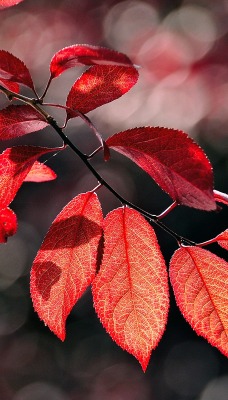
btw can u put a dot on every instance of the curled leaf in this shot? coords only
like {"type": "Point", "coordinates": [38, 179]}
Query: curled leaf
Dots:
{"type": "Point", "coordinates": [79, 54]}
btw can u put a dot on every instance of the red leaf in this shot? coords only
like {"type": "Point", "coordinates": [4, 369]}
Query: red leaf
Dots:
{"type": "Point", "coordinates": [8, 224]}
{"type": "Point", "coordinates": [20, 120]}
{"type": "Point", "coordinates": [222, 239]}
{"type": "Point", "coordinates": [100, 85]}
{"type": "Point", "coordinates": [8, 3]}
{"type": "Point", "coordinates": [85, 55]}
{"type": "Point", "coordinates": [14, 87]}
{"type": "Point", "coordinates": [15, 164]}
{"type": "Point", "coordinates": [176, 163]}
{"type": "Point", "coordinates": [200, 283]}
{"type": "Point", "coordinates": [14, 70]}
{"type": "Point", "coordinates": [40, 173]}
{"type": "Point", "coordinates": [66, 262]}
{"type": "Point", "coordinates": [221, 197]}
{"type": "Point", "coordinates": [131, 290]}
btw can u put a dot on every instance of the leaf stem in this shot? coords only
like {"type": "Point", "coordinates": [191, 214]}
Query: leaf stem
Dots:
{"type": "Point", "coordinates": [88, 122]}
{"type": "Point", "coordinates": [46, 89]}
{"type": "Point", "coordinates": [168, 210]}
{"type": "Point", "coordinates": [210, 241]}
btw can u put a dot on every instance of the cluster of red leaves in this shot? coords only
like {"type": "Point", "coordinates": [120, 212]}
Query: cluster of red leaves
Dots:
{"type": "Point", "coordinates": [130, 289]}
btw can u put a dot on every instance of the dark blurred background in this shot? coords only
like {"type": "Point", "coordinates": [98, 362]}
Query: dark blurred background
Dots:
{"type": "Point", "coordinates": [181, 46]}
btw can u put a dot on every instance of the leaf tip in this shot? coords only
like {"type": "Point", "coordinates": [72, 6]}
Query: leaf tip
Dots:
{"type": "Point", "coordinates": [144, 361]}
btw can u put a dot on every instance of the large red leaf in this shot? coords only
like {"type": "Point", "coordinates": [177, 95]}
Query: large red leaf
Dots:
{"type": "Point", "coordinates": [8, 3]}
{"type": "Point", "coordinates": [14, 70]}
{"type": "Point", "coordinates": [8, 224]}
{"type": "Point", "coordinates": [66, 262]}
{"type": "Point", "coordinates": [131, 290]}
{"type": "Point", "coordinates": [85, 55]}
{"type": "Point", "coordinates": [40, 173]}
{"type": "Point", "coordinates": [177, 164]}
{"type": "Point", "coordinates": [20, 120]}
{"type": "Point", "coordinates": [15, 164]}
{"type": "Point", "coordinates": [99, 85]}
{"type": "Point", "coordinates": [200, 283]}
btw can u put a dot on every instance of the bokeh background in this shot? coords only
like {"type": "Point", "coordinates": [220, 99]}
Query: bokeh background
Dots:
{"type": "Point", "coordinates": [181, 48]}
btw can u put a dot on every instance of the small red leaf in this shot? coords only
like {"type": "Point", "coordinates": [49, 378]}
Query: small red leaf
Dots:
{"type": "Point", "coordinates": [40, 173]}
{"type": "Point", "coordinates": [15, 164]}
{"type": "Point", "coordinates": [8, 3]}
{"type": "Point", "coordinates": [65, 265]}
{"type": "Point", "coordinates": [14, 70]}
{"type": "Point", "coordinates": [14, 87]}
{"type": "Point", "coordinates": [221, 197]}
{"type": "Point", "coordinates": [200, 283]}
{"type": "Point", "coordinates": [131, 290]}
{"type": "Point", "coordinates": [99, 85]}
{"type": "Point", "coordinates": [20, 120]}
{"type": "Point", "coordinates": [8, 224]}
{"type": "Point", "coordinates": [222, 239]}
{"type": "Point", "coordinates": [176, 163]}
{"type": "Point", "coordinates": [85, 55]}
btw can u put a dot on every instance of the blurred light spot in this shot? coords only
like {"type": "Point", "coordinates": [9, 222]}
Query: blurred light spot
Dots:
{"type": "Point", "coordinates": [198, 26]}
{"type": "Point", "coordinates": [40, 391]}
{"type": "Point", "coordinates": [164, 53]}
{"type": "Point", "coordinates": [178, 102]}
{"type": "Point", "coordinates": [34, 39]}
{"type": "Point", "coordinates": [13, 314]}
{"type": "Point", "coordinates": [188, 368]}
{"type": "Point", "coordinates": [197, 23]}
{"type": "Point", "coordinates": [120, 113]}
{"type": "Point", "coordinates": [120, 381]}
{"type": "Point", "coordinates": [22, 352]}
{"type": "Point", "coordinates": [217, 389]}
{"type": "Point", "coordinates": [13, 258]}
{"type": "Point", "coordinates": [127, 21]}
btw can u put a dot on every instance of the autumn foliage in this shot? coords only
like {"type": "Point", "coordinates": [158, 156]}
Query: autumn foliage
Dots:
{"type": "Point", "coordinates": [119, 255]}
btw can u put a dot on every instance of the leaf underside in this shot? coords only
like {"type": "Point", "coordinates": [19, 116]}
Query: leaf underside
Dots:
{"type": "Point", "coordinates": [40, 173]}
{"type": "Point", "coordinates": [176, 163]}
{"type": "Point", "coordinates": [12, 69]}
{"type": "Point", "coordinates": [78, 54]}
{"type": "Point", "coordinates": [19, 120]}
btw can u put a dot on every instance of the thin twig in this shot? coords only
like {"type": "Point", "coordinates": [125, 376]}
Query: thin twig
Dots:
{"type": "Point", "coordinates": [51, 121]}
